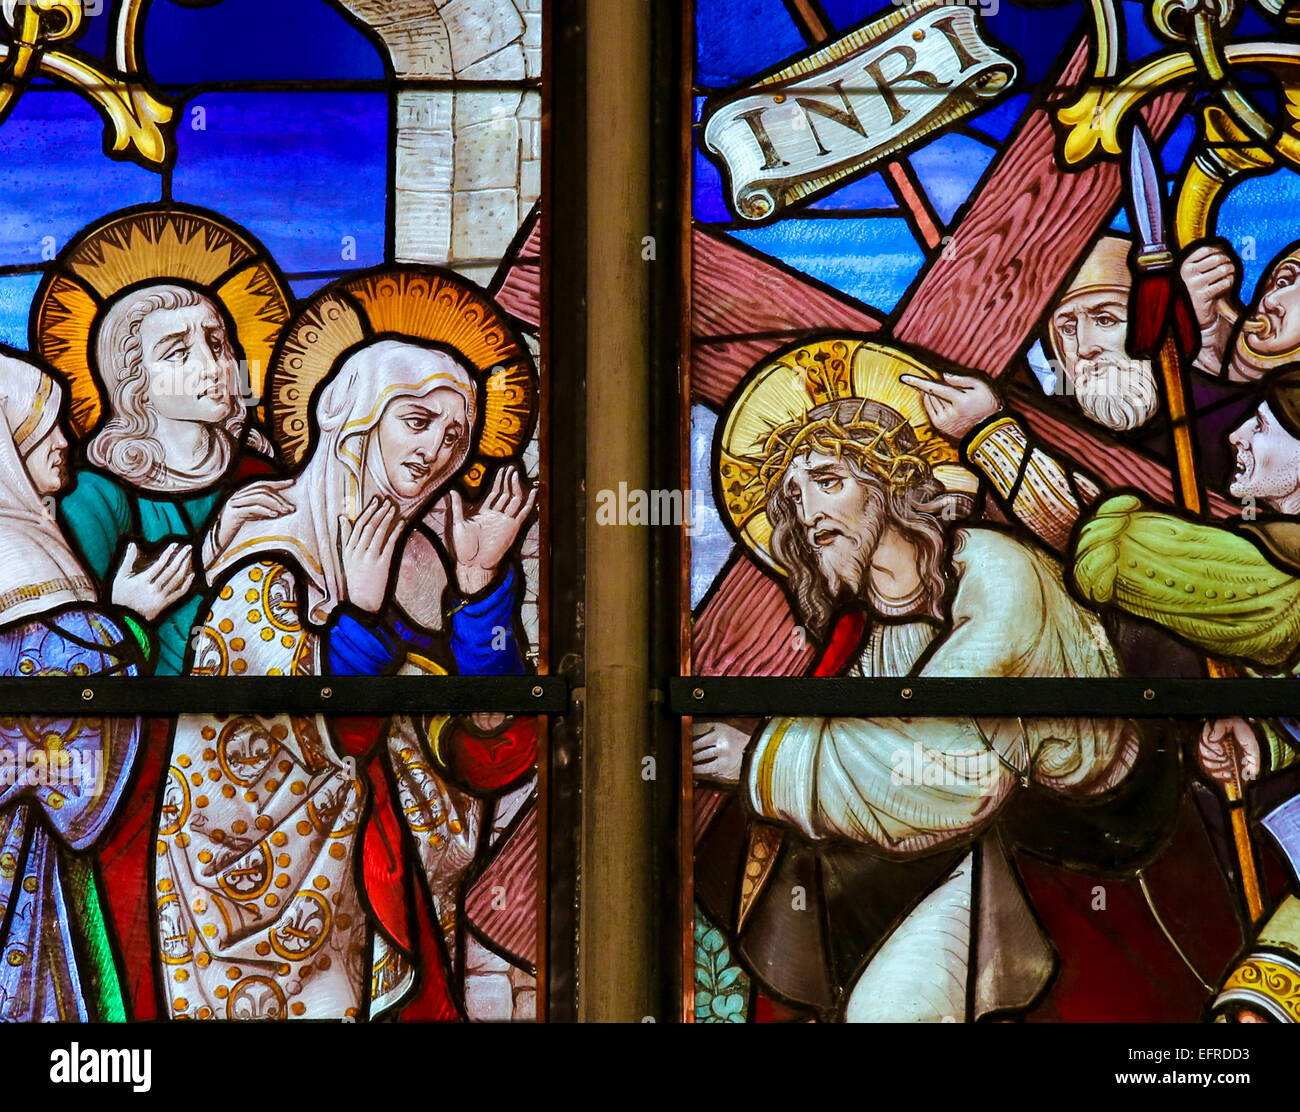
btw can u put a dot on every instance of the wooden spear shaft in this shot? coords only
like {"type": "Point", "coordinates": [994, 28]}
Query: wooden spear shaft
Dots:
{"type": "Point", "coordinates": [1192, 499]}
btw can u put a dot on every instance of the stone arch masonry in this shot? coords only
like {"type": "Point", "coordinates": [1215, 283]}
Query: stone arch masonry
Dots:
{"type": "Point", "coordinates": [469, 161]}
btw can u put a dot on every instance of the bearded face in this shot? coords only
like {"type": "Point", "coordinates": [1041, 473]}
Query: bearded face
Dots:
{"type": "Point", "coordinates": [1274, 327]}
{"type": "Point", "coordinates": [853, 474]}
{"type": "Point", "coordinates": [839, 516]}
{"type": "Point", "coordinates": [1091, 331]}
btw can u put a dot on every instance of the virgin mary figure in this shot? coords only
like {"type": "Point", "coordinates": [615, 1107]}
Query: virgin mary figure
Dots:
{"type": "Point", "coordinates": [61, 778]}
{"type": "Point", "coordinates": [263, 831]}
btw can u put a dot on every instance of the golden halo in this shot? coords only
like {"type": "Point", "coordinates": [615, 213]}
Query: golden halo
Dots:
{"type": "Point", "coordinates": [155, 244]}
{"type": "Point", "coordinates": [785, 388]}
{"type": "Point", "coordinates": [425, 303]}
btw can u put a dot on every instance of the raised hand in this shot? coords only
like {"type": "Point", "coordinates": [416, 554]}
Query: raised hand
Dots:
{"type": "Point", "coordinates": [1209, 274]}
{"type": "Point", "coordinates": [151, 588]}
{"type": "Point", "coordinates": [481, 541]}
{"type": "Point", "coordinates": [955, 404]}
{"type": "Point", "coordinates": [1228, 745]}
{"type": "Point", "coordinates": [259, 502]}
{"type": "Point", "coordinates": [367, 546]}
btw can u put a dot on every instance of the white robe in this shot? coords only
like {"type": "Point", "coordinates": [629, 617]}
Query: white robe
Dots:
{"type": "Point", "coordinates": [259, 915]}
{"type": "Point", "coordinates": [909, 785]}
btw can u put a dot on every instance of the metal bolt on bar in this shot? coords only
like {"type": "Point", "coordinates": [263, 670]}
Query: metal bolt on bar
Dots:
{"type": "Point", "coordinates": [1146, 697]}
{"type": "Point", "coordinates": [163, 696]}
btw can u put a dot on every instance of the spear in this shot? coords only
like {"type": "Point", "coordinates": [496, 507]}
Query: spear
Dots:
{"type": "Point", "coordinates": [1162, 324]}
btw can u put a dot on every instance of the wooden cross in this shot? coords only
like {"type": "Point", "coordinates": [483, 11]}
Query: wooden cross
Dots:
{"type": "Point", "coordinates": [978, 303]}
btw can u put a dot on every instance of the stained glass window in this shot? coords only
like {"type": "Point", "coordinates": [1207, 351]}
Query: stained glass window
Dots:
{"type": "Point", "coordinates": [270, 286]}
{"type": "Point", "coordinates": [1001, 421]}
{"type": "Point", "coordinates": [980, 411]}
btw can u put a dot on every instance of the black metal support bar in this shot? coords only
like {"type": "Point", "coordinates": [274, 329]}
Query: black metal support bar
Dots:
{"type": "Point", "coordinates": [705, 696]}
{"type": "Point", "coordinates": [163, 697]}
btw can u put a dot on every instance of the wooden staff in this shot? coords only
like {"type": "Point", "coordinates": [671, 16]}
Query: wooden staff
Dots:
{"type": "Point", "coordinates": [1162, 312]}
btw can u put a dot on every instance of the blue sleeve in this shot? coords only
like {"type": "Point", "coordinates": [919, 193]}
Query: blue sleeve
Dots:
{"type": "Point", "coordinates": [355, 648]}
{"type": "Point", "coordinates": [483, 634]}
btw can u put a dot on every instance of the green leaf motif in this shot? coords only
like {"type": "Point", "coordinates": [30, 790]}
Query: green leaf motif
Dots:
{"type": "Point", "coordinates": [721, 985]}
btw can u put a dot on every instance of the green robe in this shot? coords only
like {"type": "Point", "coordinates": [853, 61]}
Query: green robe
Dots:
{"type": "Point", "coordinates": [100, 513]}
{"type": "Point", "coordinates": [1234, 596]}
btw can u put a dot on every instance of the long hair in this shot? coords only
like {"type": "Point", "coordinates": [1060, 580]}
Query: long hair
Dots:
{"type": "Point", "coordinates": [917, 508]}
{"type": "Point", "coordinates": [128, 445]}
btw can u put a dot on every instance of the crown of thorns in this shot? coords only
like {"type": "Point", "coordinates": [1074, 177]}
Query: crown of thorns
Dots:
{"type": "Point", "coordinates": [873, 445]}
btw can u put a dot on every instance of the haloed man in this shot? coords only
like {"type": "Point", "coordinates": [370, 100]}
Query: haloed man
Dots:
{"type": "Point", "coordinates": [859, 521]}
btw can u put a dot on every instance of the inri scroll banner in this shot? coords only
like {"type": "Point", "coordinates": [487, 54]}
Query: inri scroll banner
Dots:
{"type": "Point", "coordinates": [853, 104]}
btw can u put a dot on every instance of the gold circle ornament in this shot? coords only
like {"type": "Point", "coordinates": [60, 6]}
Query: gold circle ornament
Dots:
{"type": "Point", "coordinates": [780, 393]}
{"type": "Point", "coordinates": [422, 303]}
{"type": "Point", "coordinates": [155, 245]}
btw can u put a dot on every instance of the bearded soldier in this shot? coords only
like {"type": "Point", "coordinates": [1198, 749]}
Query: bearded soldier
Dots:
{"type": "Point", "coordinates": [851, 495]}
{"type": "Point", "coordinates": [1089, 333]}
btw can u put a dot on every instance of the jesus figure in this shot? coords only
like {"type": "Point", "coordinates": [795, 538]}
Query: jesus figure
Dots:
{"type": "Point", "coordinates": [859, 521]}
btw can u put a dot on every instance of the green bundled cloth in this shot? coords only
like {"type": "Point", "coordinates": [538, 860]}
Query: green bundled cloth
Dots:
{"type": "Point", "coordinates": [1215, 588]}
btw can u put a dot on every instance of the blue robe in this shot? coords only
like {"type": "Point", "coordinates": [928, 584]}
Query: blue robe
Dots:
{"type": "Point", "coordinates": [60, 783]}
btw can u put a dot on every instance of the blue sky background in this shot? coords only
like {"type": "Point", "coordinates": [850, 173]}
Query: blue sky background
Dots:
{"type": "Point", "coordinates": [875, 258]}
{"type": "Point", "coordinates": [300, 170]}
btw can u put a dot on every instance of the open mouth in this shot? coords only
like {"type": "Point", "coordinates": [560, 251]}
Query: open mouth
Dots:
{"type": "Point", "coordinates": [822, 537]}
{"type": "Point", "coordinates": [1242, 468]}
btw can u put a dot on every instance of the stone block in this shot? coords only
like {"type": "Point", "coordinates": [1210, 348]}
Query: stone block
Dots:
{"type": "Point", "coordinates": [479, 106]}
{"type": "Point", "coordinates": [423, 232]}
{"type": "Point", "coordinates": [487, 155]}
{"type": "Point", "coordinates": [484, 222]}
{"type": "Point", "coordinates": [478, 29]}
{"type": "Point", "coordinates": [489, 998]}
{"type": "Point", "coordinates": [424, 161]}
{"type": "Point", "coordinates": [479, 959]}
{"type": "Point", "coordinates": [425, 110]}
{"type": "Point", "coordinates": [507, 64]}
{"type": "Point", "coordinates": [530, 185]}
{"type": "Point", "coordinates": [525, 1010]}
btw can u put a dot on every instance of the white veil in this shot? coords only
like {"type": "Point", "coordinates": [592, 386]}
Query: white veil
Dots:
{"type": "Point", "coordinates": [38, 570]}
{"type": "Point", "coordinates": [344, 459]}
